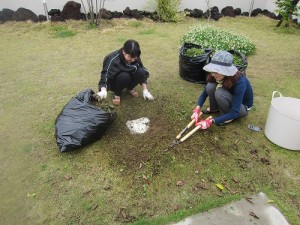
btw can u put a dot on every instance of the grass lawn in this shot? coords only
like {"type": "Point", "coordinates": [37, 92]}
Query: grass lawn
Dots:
{"type": "Point", "coordinates": [135, 178]}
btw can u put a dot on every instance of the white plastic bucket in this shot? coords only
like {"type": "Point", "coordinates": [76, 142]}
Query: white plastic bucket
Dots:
{"type": "Point", "coordinates": [283, 122]}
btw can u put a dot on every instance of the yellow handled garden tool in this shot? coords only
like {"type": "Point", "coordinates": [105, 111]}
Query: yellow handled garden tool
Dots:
{"type": "Point", "coordinates": [179, 139]}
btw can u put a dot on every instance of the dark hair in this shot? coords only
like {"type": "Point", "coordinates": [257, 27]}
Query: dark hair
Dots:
{"type": "Point", "coordinates": [228, 82]}
{"type": "Point", "coordinates": [132, 48]}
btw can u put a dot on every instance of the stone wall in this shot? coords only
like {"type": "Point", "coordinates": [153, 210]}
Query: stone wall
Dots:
{"type": "Point", "coordinates": [75, 10]}
{"type": "Point", "coordinates": [36, 6]}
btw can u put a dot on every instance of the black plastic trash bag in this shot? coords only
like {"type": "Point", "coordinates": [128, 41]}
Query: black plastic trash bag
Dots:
{"type": "Point", "coordinates": [80, 122]}
{"type": "Point", "coordinates": [242, 66]}
{"type": "Point", "coordinates": [191, 68]}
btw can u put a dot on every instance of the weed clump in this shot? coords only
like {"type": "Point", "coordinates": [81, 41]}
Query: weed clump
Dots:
{"type": "Point", "coordinates": [193, 52]}
{"type": "Point", "coordinates": [62, 32]}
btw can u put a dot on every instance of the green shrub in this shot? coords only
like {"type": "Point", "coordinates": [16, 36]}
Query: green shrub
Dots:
{"type": "Point", "coordinates": [168, 10]}
{"type": "Point", "coordinates": [286, 9]}
{"type": "Point", "coordinates": [218, 39]}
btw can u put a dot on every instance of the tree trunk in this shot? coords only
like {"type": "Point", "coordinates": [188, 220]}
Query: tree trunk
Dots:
{"type": "Point", "coordinates": [279, 23]}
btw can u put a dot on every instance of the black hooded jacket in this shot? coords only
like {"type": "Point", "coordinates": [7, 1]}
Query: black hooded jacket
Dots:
{"type": "Point", "coordinates": [113, 64]}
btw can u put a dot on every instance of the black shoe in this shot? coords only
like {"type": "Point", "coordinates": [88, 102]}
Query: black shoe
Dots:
{"type": "Point", "coordinates": [224, 123]}
{"type": "Point", "coordinates": [205, 111]}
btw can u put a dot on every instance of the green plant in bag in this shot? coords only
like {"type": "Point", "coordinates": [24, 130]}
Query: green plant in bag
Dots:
{"type": "Point", "coordinates": [193, 52]}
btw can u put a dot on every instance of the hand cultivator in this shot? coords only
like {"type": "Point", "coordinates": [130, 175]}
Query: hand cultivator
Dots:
{"type": "Point", "coordinates": [180, 139]}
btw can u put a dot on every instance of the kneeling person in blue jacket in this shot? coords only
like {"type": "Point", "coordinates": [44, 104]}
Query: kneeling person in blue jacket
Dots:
{"type": "Point", "coordinates": [230, 92]}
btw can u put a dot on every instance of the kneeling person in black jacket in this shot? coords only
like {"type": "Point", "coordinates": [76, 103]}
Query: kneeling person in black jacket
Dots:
{"type": "Point", "coordinates": [122, 69]}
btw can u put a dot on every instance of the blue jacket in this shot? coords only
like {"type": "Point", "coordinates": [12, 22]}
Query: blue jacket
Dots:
{"type": "Point", "coordinates": [242, 94]}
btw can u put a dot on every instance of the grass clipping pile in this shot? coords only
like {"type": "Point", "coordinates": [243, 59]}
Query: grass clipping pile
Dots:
{"type": "Point", "coordinates": [102, 104]}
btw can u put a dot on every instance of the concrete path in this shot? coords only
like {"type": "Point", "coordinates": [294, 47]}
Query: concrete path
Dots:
{"type": "Point", "coordinates": [254, 211]}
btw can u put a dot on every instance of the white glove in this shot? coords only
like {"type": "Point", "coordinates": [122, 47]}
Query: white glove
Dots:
{"type": "Point", "coordinates": [147, 95]}
{"type": "Point", "coordinates": [102, 94]}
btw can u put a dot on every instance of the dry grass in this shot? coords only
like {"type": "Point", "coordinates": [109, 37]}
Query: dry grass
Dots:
{"type": "Point", "coordinates": [137, 175]}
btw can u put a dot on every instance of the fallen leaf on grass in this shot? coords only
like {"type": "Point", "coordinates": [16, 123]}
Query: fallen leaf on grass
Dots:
{"type": "Point", "coordinates": [176, 208]}
{"type": "Point", "coordinates": [201, 186]}
{"type": "Point", "coordinates": [271, 201]}
{"type": "Point", "coordinates": [235, 180]}
{"type": "Point", "coordinates": [220, 186]}
{"type": "Point", "coordinates": [254, 151]}
{"type": "Point", "coordinates": [87, 191]}
{"type": "Point", "coordinates": [180, 183]}
{"type": "Point", "coordinates": [94, 206]}
{"type": "Point", "coordinates": [146, 180]}
{"type": "Point", "coordinates": [219, 195]}
{"type": "Point", "coordinates": [107, 188]}
{"type": "Point", "coordinates": [231, 191]}
{"type": "Point", "coordinates": [68, 177]}
{"type": "Point", "coordinates": [269, 172]}
{"type": "Point", "coordinates": [123, 216]}
{"type": "Point", "coordinates": [265, 161]}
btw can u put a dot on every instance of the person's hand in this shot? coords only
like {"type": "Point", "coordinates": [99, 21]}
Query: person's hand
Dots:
{"type": "Point", "coordinates": [195, 115]}
{"type": "Point", "coordinates": [102, 94]}
{"type": "Point", "coordinates": [204, 124]}
{"type": "Point", "coordinates": [147, 95]}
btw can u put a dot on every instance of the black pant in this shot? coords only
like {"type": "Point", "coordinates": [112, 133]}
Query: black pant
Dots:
{"type": "Point", "coordinates": [130, 81]}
